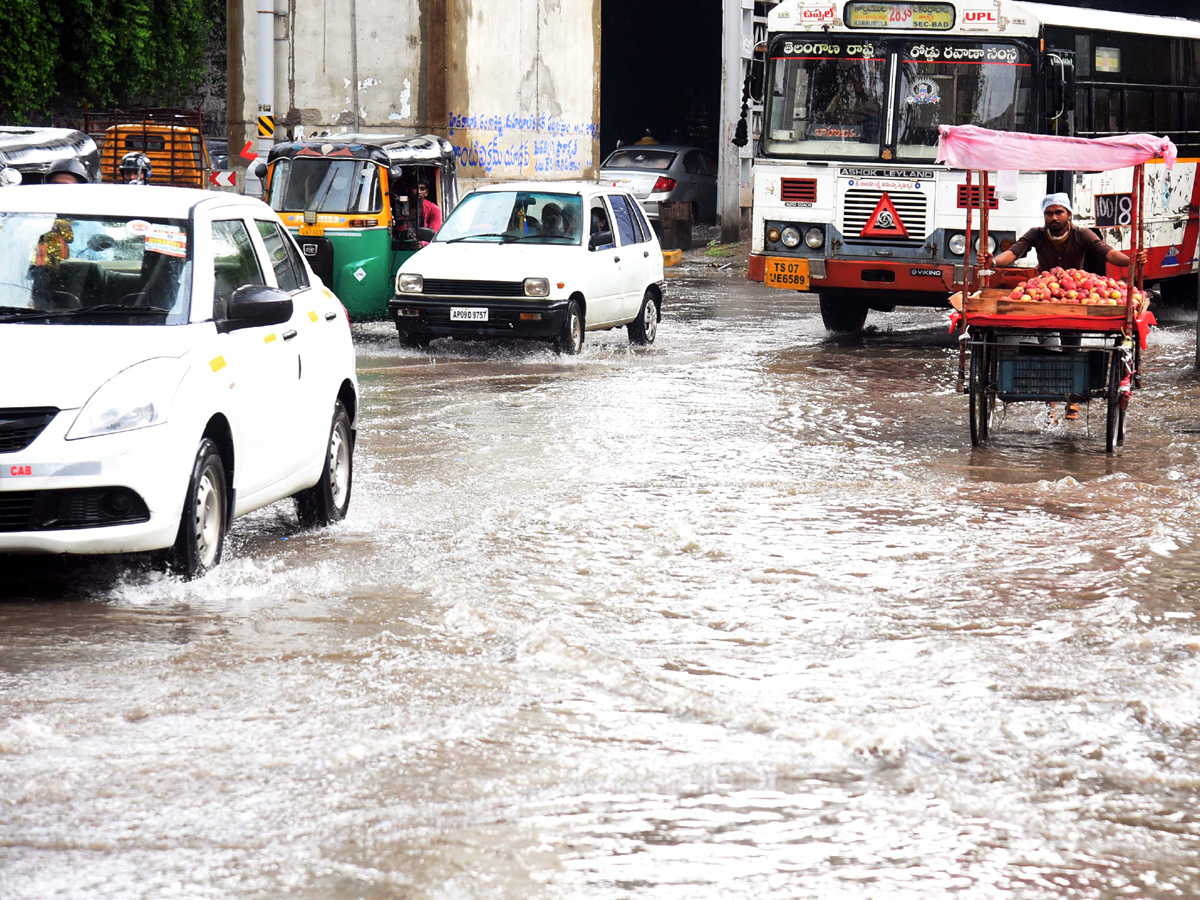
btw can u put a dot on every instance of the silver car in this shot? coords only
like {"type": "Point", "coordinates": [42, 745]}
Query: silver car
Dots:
{"type": "Point", "coordinates": [655, 173]}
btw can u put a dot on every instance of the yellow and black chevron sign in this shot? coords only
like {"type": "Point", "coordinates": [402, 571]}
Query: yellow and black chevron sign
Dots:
{"type": "Point", "coordinates": [266, 126]}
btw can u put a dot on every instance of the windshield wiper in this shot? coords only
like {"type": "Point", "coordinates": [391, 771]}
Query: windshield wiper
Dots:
{"type": "Point", "coordinates": [28, 312]}
{"type": "Point", "coordinates": [467, 237]}
{"type": "Point", "coordinates": [10, 313]}
{"type": "Point", "coordinates": [116, 308]}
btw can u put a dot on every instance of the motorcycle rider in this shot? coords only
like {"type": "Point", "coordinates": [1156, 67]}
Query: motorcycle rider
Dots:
{"type": "Point", "coordinates": [135, 168]}
{"type": "Point", "coordinates": [67, 171]}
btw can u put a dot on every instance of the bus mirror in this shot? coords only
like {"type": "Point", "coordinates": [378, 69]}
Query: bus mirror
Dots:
{"type": "Point", "coordinates": [425, 234]}
{"type": "Point", "coordinates": [1061, 85]}
{"type": "Point", "coordinates": [1068, 81]}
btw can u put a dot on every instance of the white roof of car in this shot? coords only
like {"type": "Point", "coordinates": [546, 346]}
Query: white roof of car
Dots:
{"type": "Point", "coordinates": [548, 187]}
{"type": "Point", "coordinates": [117, 200]}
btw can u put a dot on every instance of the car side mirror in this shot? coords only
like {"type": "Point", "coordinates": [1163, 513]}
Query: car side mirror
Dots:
{"type": "Point", "coordinates": [425, 234]}
{"type": "Point", "coordinates": [260, 170]}
{"type": "Point", "coordinates": [256, 304]}
{"type": "Point", "coordinates": [599, 239]}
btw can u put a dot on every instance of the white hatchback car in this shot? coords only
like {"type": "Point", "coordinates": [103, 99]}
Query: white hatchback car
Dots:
{"type": "Point", "coordinates": [539, 260]}
{"type": "Point", "coordinates": [170, 362]}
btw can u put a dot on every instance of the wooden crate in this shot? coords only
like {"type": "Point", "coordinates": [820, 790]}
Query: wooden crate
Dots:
{"type": "Point", "coordinates": [996, 302]}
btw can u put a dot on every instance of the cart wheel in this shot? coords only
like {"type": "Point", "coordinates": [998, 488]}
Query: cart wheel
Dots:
{"type": "Point", "coordinates": [983, 392]}
{"type": "Point", "coordinates": [1114, 425]}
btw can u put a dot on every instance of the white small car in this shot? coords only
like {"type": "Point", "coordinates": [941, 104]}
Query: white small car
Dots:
{"type": "Point", "coordinates": [539, 260]}
{"type": "Point", "coordinates": [169, 362]}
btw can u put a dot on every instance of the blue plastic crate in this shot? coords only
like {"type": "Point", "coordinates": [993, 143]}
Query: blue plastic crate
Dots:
{"type": "Point", "coordinates": [1046, 375]}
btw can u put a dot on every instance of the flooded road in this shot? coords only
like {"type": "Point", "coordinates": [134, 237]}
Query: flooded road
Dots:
{"type": "Point", "coordinates": [738, 615]}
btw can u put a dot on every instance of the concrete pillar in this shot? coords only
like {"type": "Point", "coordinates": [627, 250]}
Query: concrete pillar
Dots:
{"type": "Point", "coordinates": [732, 74]}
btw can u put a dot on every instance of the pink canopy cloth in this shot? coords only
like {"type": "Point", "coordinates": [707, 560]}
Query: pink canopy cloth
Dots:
{"type": "Point", "coordinates": [972, 147]}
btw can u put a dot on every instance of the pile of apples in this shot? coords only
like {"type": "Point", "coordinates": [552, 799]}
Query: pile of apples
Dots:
{"type": "Point", "coordinates": [1060, 285]}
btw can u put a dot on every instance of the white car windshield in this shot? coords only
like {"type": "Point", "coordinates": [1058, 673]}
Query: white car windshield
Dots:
{"type": "Point", "coordinates": [94, 269]}
{"type": "Point", "coordinates": [529, 217]}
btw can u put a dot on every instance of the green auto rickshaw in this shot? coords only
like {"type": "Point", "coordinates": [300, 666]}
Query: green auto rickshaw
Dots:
{"type": "Point", "coordinates": [353, 202]}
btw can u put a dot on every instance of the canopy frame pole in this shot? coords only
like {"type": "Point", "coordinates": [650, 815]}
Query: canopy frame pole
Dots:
{"type": "Point", "coordinates": [1135, 244]}
{"type": "Point", "coordinates": [984, 272]}
{"type": "Point", "coordinates": [968, 275]}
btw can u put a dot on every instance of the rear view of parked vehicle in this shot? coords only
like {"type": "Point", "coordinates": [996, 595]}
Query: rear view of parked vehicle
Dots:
{"type": "Point", "coordinates": [658, 173]}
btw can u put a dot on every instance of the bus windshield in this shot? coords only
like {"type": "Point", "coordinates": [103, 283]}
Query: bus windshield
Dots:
{"type": "Point", "coordinates": [831, 100]}
{"type": "Point", "coordinates": [325, 185]}
{"type": "Point", "coordinates": [826, 99]}
{"type": "Point", "coordinates": [960, 84]}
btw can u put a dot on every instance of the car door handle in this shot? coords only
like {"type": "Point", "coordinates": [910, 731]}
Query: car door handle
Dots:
{"type": "Point", "coordinates": [289, 334]}
{"type": "Point", "coordinates": [330, 316]}
{"type": "Point", "coordinates": [645, 254]}
{"type": "Point", "coordinates": [616, 259]}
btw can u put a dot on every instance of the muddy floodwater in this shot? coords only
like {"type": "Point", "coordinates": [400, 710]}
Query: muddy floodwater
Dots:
{"type": "Point", "coordinates": [739, 615]}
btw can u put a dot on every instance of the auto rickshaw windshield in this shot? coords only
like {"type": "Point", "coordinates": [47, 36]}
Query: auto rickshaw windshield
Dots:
{"type": "Point", "coordinates": [326, 185]}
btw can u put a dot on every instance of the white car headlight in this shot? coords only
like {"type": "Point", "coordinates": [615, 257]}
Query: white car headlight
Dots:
{"type": "Point", "coordinates": [537, 287]}
{"type": "Point", "coordinates": [790, 237]}
{"type": "Point", "coordinates": [137, 397]}
{"type": "Point", "coordinates": [957, 244]}
{"type": "Point", "coordinates": [408, 283]}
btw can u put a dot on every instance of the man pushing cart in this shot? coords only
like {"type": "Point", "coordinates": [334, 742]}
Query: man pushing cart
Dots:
{"type": "Point", "coordinates": [1102, 322]}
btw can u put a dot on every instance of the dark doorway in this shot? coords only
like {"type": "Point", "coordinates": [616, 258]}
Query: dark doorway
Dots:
{"type": "Point", "coordinates": [660, 71]}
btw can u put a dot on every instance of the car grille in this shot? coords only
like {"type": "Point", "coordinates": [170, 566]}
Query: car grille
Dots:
{"type": "Point", "coordinates": [68, 508]}
{"type": "Point", "coordinates": [18, 427]}
{"type": "Point", "coordinates": [451, 287]}
{"type": "Point", "coordinates": [16, 510]}
{"type": "Point", "coordinates": [860, 204]}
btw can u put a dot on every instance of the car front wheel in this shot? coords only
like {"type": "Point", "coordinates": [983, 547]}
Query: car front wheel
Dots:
{"type": "Point", "coordinates": [644, 328]}
{"type": "Point", "coordinates": [203, 524]}
{"type": "Point", "coordinates": [570, 339]}
{"type": "Point", "coordinates": [328, 500]}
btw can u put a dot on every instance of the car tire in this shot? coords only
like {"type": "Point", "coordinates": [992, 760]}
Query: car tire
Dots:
{"type": "Point", "coordinates": [570, 338]}
{"type": "Point", "coordinates": [415, 340]}
{"type": "Point", "coordinates": [328, 500]}
{"type": "Point", "coordinates": [204, 520]}
{"type": "Point", "coordinates": [644, 328]}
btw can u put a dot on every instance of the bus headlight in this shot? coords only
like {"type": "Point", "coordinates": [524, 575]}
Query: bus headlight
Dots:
{"type": "Point", "coordinates": [773, 234]}
{"type": "Point", "coordinates": [814, 237]}
{"type": "Point", "coordinates": [957, 244]}
{"type": "Point", "coordinates": [790, 237]}
{"type": "Point", "coordinates": [537, 287]}
{"type": "Point", "coordinates": [991, 244]}
{"type": "Point", "coordinates": [408, 283]}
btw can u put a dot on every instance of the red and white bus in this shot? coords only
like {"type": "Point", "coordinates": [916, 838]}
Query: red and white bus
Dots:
{"type": "Point", "coordinates": [848, 200]}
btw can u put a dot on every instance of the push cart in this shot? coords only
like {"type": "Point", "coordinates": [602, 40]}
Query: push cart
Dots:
{"type": "Point", "coordinates": [1013, 350]}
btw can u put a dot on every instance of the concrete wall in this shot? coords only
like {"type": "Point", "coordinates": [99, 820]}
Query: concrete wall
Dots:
{"type": "Point", "coordinates": [514, 84]}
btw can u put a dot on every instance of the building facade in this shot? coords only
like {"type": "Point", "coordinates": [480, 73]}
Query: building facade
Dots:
{"type": "Point", "coordinates": [513, 84]}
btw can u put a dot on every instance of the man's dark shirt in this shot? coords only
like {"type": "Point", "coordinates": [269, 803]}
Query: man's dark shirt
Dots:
{"type": "Point", "coordinates": [1070, 254]}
